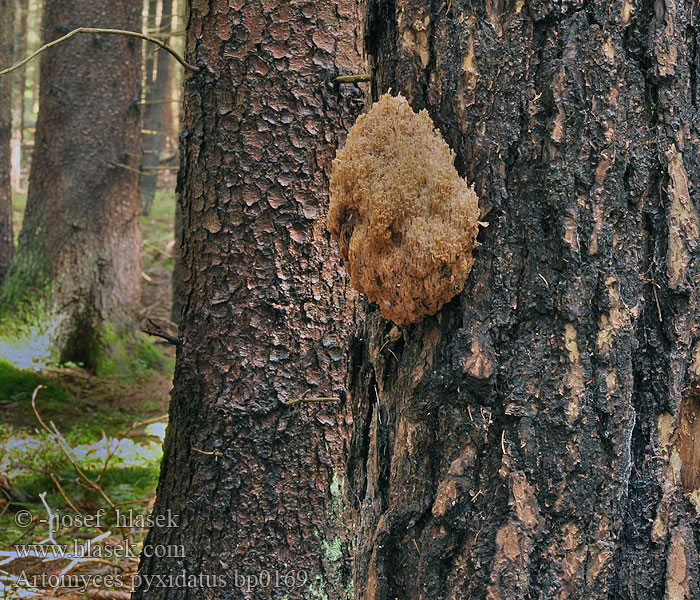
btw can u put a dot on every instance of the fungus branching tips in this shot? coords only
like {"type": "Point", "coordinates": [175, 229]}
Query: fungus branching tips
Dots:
{"type": "Point", "coordinates": [404, 219]}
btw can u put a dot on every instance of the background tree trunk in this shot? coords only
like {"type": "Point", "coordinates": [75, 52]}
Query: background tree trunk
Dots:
{"type": "Point", "coordinates": [155, 108]}
{"type": "Point", "coordinates": [537, 437]}
{"type": "Point", "coordinates": [173, 109]}
{"type": "Point", "coordinates": [7, 21]}
{"type": "Point", "coordinates": [20, 82]}
{"type": "Point", "coordinates": [257, 486]}
{"type": "Point", "coordinates": [177, 268]}
{"type": "Point", "coordinates": [75, 279]}
{"type": "Point", "coordinates": [149, 50]}
{"type": "Point", "coordinates": [36, 16]}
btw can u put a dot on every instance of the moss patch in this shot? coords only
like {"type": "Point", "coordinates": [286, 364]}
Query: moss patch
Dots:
{"type": "Point", "coordinates": [27, 328]}
{"type": "Point", "coordinates": [127, 354]}
{"type": "Point", "coordinates": [16, 384]}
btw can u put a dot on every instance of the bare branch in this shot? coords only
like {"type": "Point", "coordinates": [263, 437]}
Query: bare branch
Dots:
{"type": "Point", "coordinates": [156, 331]}
{"type": "Point", "coordinates": [305, 398]}
{"type": "Point", "coordinates": [63, 445]}
{"type": "Point", "coordinates": [168, 101]}
{"type": "Point", "coordinates": [135, 34]}
{"type": "Point", "coordinates": [351, 78]}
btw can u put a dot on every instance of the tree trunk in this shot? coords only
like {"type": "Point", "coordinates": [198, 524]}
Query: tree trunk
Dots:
{"type": "Point", "coordinates": [176, 310]}
{"type": "Point", "coordinates": [257, 486]}
{"type": "Point", "coordinates": [154, 111]}
{"type": "Point", "coordinates": [173, 92]}
{"type": "Point", "coordinates": [149, 51]}
{"type": "Point", "coordinates": [172, 119]}
{"type": "Point", "coordinates": [537, 437]}
{"type": "Point", "coordinates": [20, 82]}
{"type": "Point", "coordinates": [74, 283]}
{"type": "Point", "coordinates": [6, 56]}
{"type": "Point", "coordinates": [36, 16]}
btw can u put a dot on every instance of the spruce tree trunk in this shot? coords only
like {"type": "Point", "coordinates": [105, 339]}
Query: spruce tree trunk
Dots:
{"type": "Point", "coordinates": [154, 111]}
{"type": "Point", "coordinates": [172, 119]}
{"type": "Point", "coordinates": [149, 51]}
{"type": "Point", "coordinates": [35, 16]}
{"type": "Point", "coordinates": [74, 283]}
{"type": "Point", "coordinates": [173, 108]}
{"type": "Point", "coordinates": [258, 486]}
{"type": "Point", "coordinates": [6, 57]}
{"type": "Point", "coordinates": [537, 438]}
{"type": "Point", "coordinates": [173, 93]}
{"type": "Point", "coordinates": [19, 85]}
{"type": "Point", "coordinates": [176, 310]}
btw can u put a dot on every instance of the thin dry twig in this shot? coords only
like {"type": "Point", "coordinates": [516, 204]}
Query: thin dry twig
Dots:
{"type": "Point", "coordinates": [151, 170]}
{"type": "Point", "coordinates": [63, 445]}
{"type": "Point", "coordinates": [102, 594]}
{"type": "Point", "coordinates": [305, 399]}
{"type": "Point", "coordinates": [148, 500]}
{"type": "Point", "coordinates": [168, 101]}
{"type": "Point", "coordinates": [146, 422]}
{"type": "Point", "coordinates": [135, 34]}
{"type": "Point", "coordinates": [122, 437]}
{"type": "Point", "coordinates": [353, 78]}
{"type": "Point", "coordinates": [112, 452]}
{"type": "Point", "coordinates": [63, 493]}
{"type": "Point", "coordinates": [215, 453]}
{"type": "Point", "coordinates": [654, 285]}
{"type": "Point", "coordinates": [156, 331]}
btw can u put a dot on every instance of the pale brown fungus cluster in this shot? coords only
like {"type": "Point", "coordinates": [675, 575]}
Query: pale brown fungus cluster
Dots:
{"type": "Point", "coordinates": [404, 219]}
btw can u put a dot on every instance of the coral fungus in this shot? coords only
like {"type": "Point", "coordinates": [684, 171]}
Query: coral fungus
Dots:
{"type": "Point", "coordinates": [404, 219]}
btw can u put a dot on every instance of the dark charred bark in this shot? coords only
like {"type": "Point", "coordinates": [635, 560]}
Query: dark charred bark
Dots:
{"type": "Point", "coordinates": [155, 110]}
{"type": "Point", "coordinates": [6, 56]}
{"type": "Point", "coordinates": [75, 279]}
{"type": "Point", "coordinates": [257, 485]}
{"type": "Point", "coordinates": [535, 439]}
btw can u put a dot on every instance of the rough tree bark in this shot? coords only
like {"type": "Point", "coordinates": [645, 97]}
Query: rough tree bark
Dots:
{"type": "Point", "coordinates": [6, 56]}
{"type": "Point", "coordinates": [172, 119]}
{"type": "Point", "coordinates": [75, 278]}
{"type": "Point", "coordinates": [257, 485]}
{"type": "Point", "coordinates": [176, 310]}
{"type": "Point", "coordinates": [534, 439]}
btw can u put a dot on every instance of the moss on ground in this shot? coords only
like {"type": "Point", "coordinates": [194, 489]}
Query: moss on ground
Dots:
{"type": "Point", "coordinates": [112, 416]}
{"type": "Point", "coordinates": [29, 328]}
{"type": "Point", "coordinates": [96, 417]}
{"type": "Point", "coordinates": [26, 327]}
{"type": "Point", "coordinates": [127, 355]}
{"type": "Point", "coordinates": [18, 384]}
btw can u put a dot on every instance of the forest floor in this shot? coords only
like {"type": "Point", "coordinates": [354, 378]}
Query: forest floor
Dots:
{"type": "Point", "coordinates": [79, 465]}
